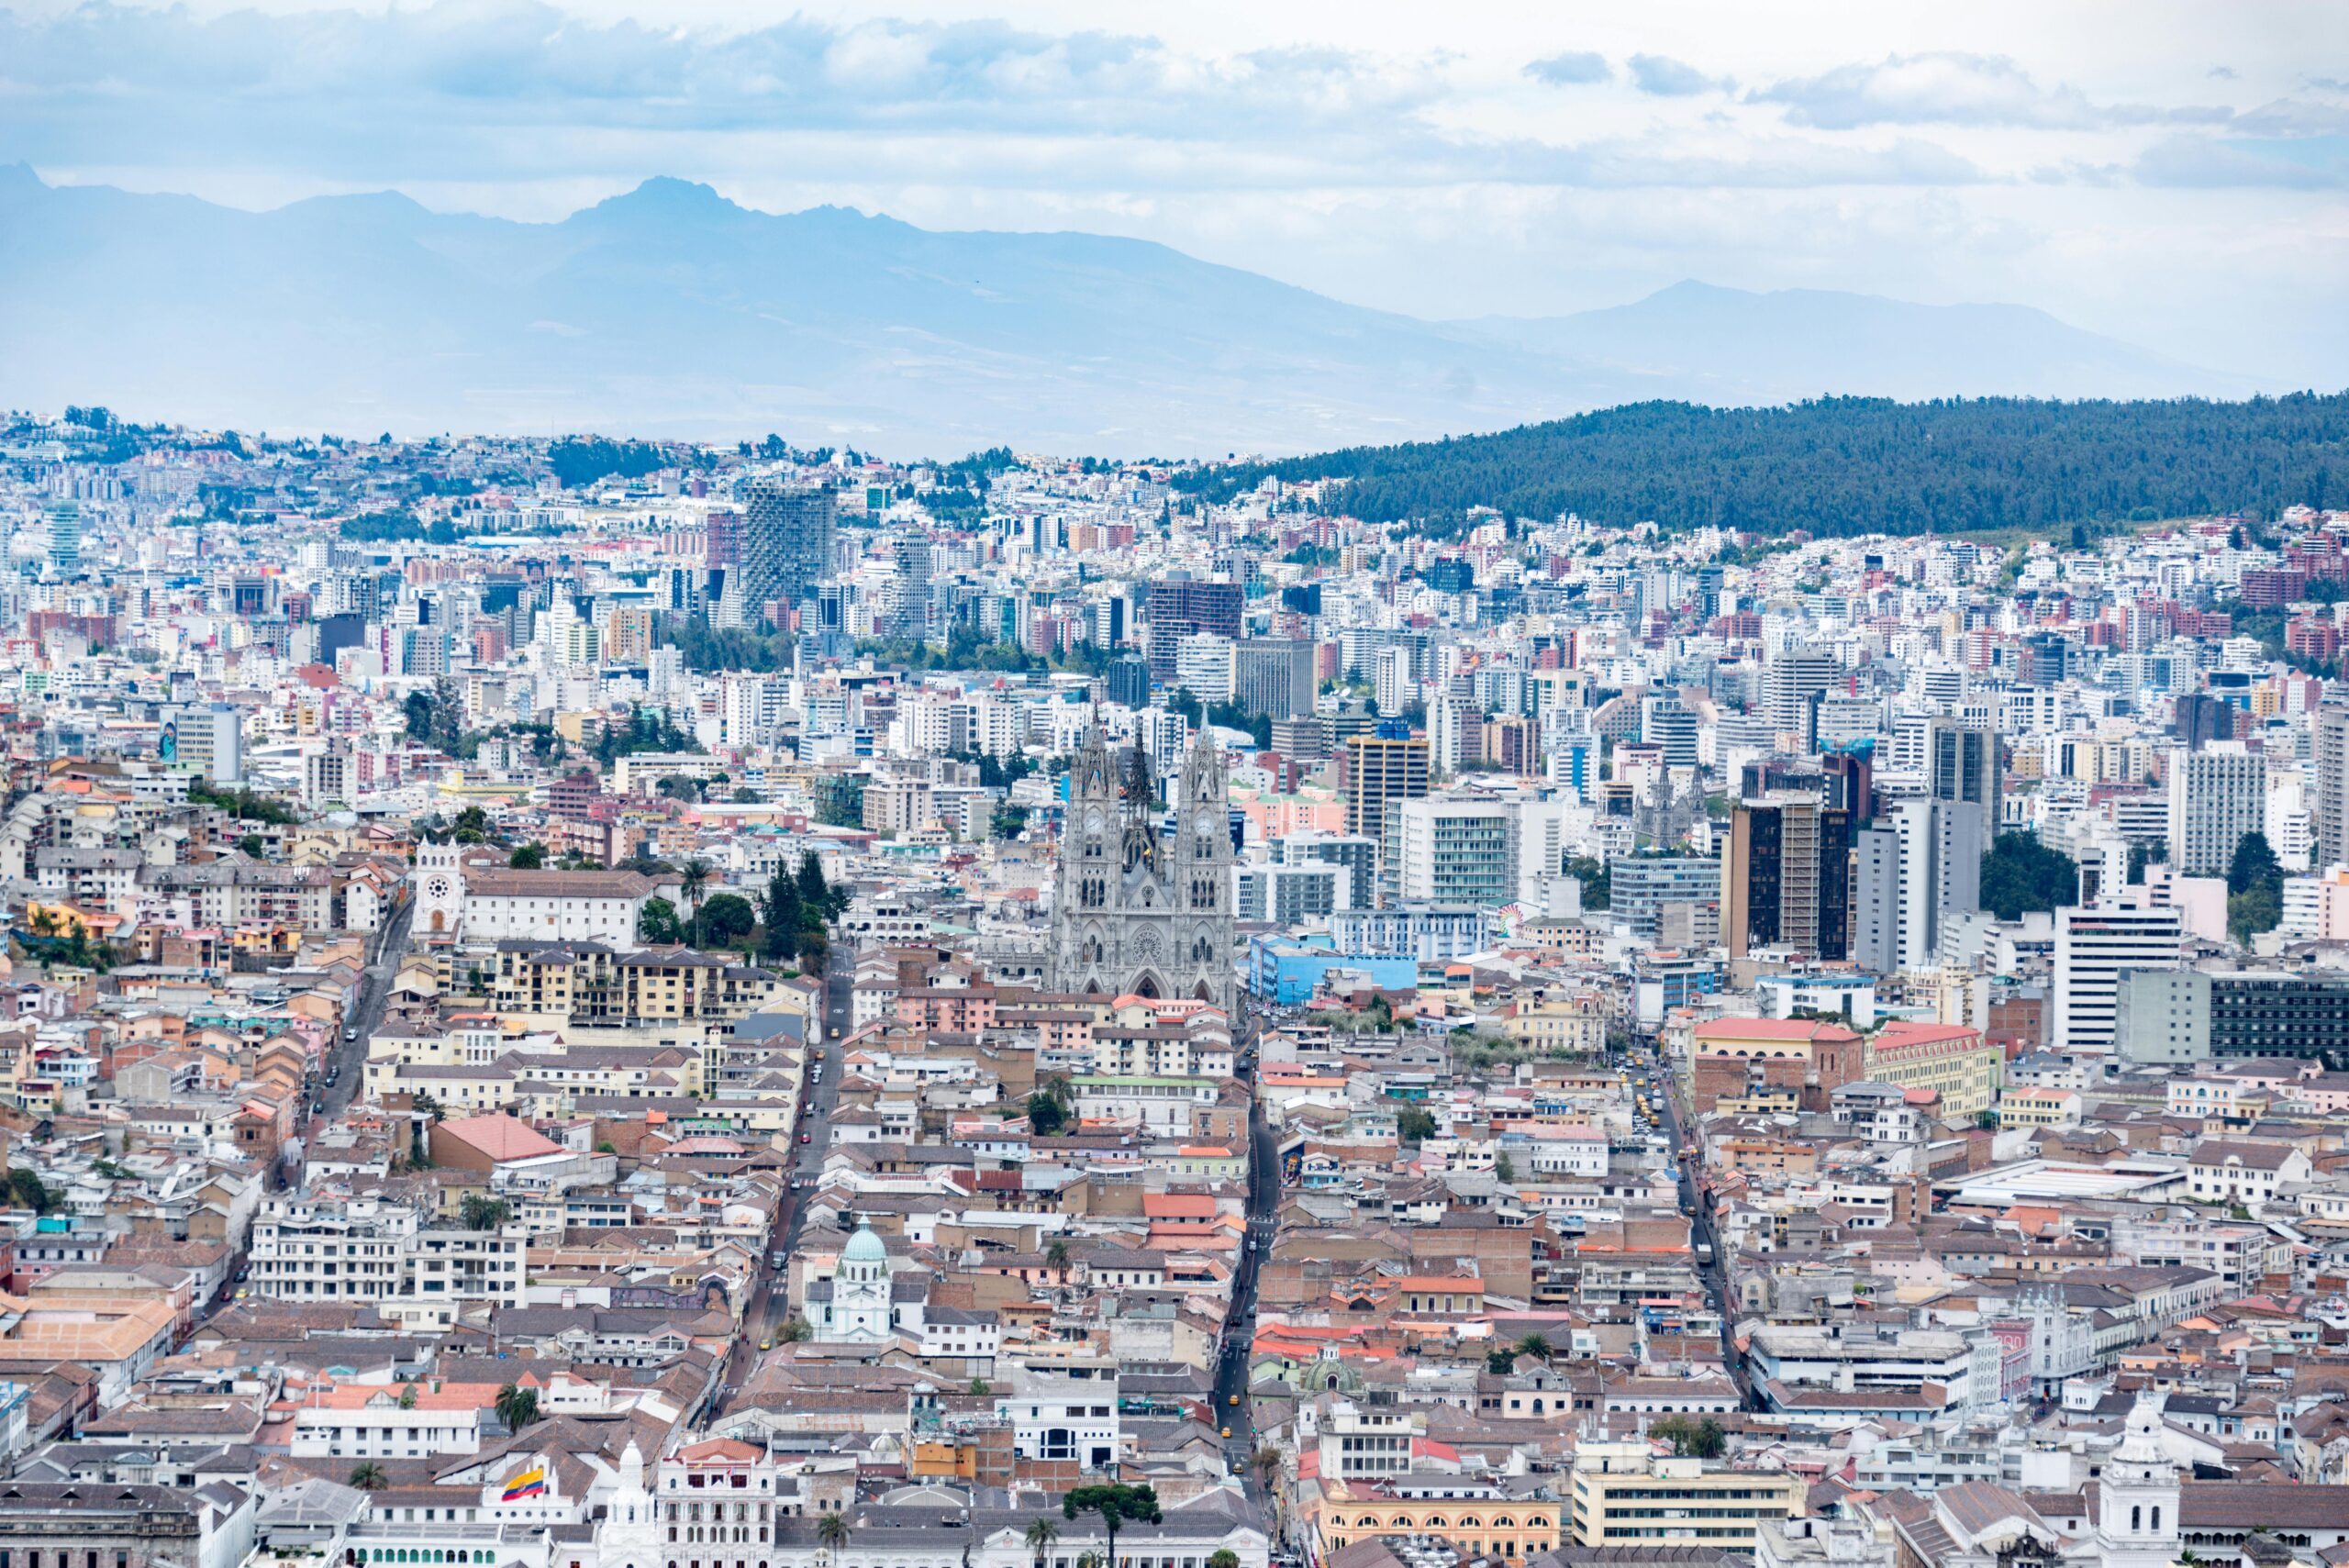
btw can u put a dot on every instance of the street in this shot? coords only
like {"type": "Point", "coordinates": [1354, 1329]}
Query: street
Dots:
{"type": "Point", "coordinates": [1713, 1274]}
{"type": "Point", "coordinates": [1240, 1321]}
{"type": "Point", "coordinates": [346, 1058]}
{"type": "Point", "coordinates": [769, 1306]}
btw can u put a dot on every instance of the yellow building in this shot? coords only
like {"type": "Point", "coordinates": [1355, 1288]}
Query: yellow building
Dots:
{"type": "Point", "coordinates": [1626, 1495]}
{"type": "Point", "coordinates": [1955, 1061]}
{"type": "Point", "coordinates": [1496, 1526]}
{"type": "Point", "coordinates": [1561, 1026]}
{"type": "Point", "coordinates": [2038, 1107]}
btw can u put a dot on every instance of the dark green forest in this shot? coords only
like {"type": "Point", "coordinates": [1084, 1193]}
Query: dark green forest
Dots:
{"type": "Point", "coordinates": [1850, 465]}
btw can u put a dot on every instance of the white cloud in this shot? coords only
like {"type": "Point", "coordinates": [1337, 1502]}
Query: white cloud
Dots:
{"type": "Point", "coordinates": [1952, 88]}
{"type": "Point", "coordinates": [1576, 68]}
{"type": "Point", "coordinates": [1666, 77]}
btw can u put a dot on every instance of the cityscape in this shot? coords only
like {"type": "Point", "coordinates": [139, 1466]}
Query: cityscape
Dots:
{"type": "Point", "coordinates": [694, 886]}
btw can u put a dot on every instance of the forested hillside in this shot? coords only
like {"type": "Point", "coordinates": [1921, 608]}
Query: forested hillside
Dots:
{"type": "Point", "coordinates": [1855, 465]}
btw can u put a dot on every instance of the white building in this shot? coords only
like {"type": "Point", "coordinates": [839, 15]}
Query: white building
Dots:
{"type": "Point", "coordinates": [2093, 949]}
{"type": "Point", "coordinates": [487, 904]}
{"type": "Point", "coordinates": [2216, 796]}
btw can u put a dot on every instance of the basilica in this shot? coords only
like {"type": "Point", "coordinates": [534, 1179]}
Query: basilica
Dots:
{"type": "Point", "coordinates": [1141, 908]}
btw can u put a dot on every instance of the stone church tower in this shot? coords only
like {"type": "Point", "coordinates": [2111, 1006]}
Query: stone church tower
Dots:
{"type": "Point", "coordinates": [1136, 910]}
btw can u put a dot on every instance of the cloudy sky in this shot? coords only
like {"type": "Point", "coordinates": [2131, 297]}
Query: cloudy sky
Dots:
{"type": "Point", "coordinates": [2176, 174]}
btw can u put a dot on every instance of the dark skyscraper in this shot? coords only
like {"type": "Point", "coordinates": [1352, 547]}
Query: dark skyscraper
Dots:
{"type": "Point", "coordinates": [1182, 605]}
{"type": "Point", "coordinates": [785, 544]}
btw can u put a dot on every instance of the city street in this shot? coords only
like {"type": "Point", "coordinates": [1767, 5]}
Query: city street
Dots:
{"type": "Point", "coordinates": [346, 1058]}
{"type": "Point", "coordinates": [1714, 1274]}
{"type": "Point", "coordinates": [1239, 1323]}
{"type": "Point", "coordinates": [769, 1306]}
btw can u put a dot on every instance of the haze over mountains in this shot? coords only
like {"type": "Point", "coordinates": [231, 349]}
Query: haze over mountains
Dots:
{"type": "Point", "coordinates": [672, 311]}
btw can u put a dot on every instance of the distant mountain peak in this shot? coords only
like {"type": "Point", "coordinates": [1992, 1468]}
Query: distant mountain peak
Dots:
{"type": "Point", "coordinates": [667, 195]}
{"type": "Point", "coordinates": [670, 309]}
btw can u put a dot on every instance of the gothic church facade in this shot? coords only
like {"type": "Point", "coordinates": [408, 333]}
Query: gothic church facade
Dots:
{"type": "Point", "coordinates": [1138, 910]}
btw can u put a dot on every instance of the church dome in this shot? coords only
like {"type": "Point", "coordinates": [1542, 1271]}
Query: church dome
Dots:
{"type": "Point", "coordinates": [865, 1248]}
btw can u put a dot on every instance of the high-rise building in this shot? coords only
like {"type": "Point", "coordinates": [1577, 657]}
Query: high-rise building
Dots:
{"type": "Point", "coordinates": [1184, 606]}
{"type": "Point", "coordinates": [785, 546]}
{"type": "Point", "coordinates": [206, 738]}
{"type": "Point", "coordinates": [2332, 804]}
{"type": "Point", "coordinates": [1274, 676]}
{"type": "Point", "coordinates": [1789, 683]}
{"type": "Point", "coordinates": [1964, 763]}
{"type": "Point", "coordinates": [1356, 853]}
{"type": "Point", "coordinates": [1641, 890]}
{"type": "Point", "coordinates": [65, 538]}
{"type": "Point", "coordinates": [2094, 947]}
{"type": "Point", "coordinates": [1379, 769]}
{"type": "Point", "coordinates": [1916, 870]}
{"type": "Point", "coordinates": [1666, 722]}
{"type": "Point", "coordinates": [2216, 796]}
{"type": "Point", "coordinates": [1787, 877]}
{"type": "Point", "coordinates": [910, 593]}
{"type": "Point", "coordinates": [1127, 683]}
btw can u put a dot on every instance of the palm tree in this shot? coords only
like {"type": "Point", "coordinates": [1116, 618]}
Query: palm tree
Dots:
{"type": "Point", "coordinates": [694, 877]}
{"type": "Point", "coordinates": [1534, 1345]}
{"type": "Point", "coordinates": [516, 1407]}
{"type": "Point", "coordinates": [370, 1477]}
{"type": "Point", "coordinates": [1042, 1533]}
{"type": "Point", "coordinates": [1056, 1256]}
{"type": "Point", "coordinates": [832, 1533]}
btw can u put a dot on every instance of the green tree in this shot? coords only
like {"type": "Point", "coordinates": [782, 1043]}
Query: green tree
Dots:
{"type": "Point", "coordinates": [1049, 1107]}
{"type": "Point", "coordinates": [657, 926]}
{"type": "Point", "coordinates": [368, 1476]}
{"type": "Point", "coordinates": [2018, 873]}
{"type": "Point", "coordinates": [1008, 822]}
{"type": "Point", "coordinates": [1504, 1167]}
{"type": "Point", "coordinates": [1691, 1439]}
{"type": "Point", "coordinates": [727, 918]}
{"type": "Point", "coordinates": [1413, 1125]}
{"type": "Point", "coordinates": [784, 916]}
{"type": "Point", "coordinates": [1534, 1345]}
{"type": "Point", "coordinates": [1597, 879]}
{"type": "Point", "coordinates": [1223, 1557]}
{"type": "Point", "coordinates": [528, 857]}
{"type": "Point", "coordinates": [1042, 1533]}
{"type": "Point", "coordinates": [832, 1532]}
{"type": "Point", "coordinates": [478, 1212]}
{"type": "Point", "coordinates": [27, 1190]}
{"type": "Point", "coordinates": [817, 893]}
{"type": "Point", "coordinates": [2255, 888]}
{"type": "Point", "coordinates": [251, 847]}
{"type": "Point", "coordinates": [795, 1331]}
{"type": "Point", "coordinates": [517, 1406]}
{"type": "Point", "coordinates": [1117, 1504]}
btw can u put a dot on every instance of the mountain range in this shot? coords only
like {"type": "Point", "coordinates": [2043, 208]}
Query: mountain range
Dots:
{"type": "Point", "coordinates": [671, 311]}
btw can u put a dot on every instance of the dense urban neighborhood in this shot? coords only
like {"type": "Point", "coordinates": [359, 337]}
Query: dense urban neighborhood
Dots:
{"type": "Point", "coordinates": [591, 1004]}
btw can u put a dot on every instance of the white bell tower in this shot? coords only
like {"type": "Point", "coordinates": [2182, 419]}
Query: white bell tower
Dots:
{"type": "Point", "coordinates": [2137, 1501]}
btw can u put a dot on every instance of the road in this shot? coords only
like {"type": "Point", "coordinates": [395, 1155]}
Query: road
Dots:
{"type": "Point", "coordinates": [769, 1306]}
{"type": "Point", "coordinates": [1714, 1275]}
{"type": "Point", "coordinates": [346, 1058]}
{"type": "Point", "coordinates": [1239, 1320]}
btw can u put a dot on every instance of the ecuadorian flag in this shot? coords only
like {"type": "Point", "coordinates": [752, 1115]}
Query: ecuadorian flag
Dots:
{"type": "Point", "coordinates": [530, 1482]}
